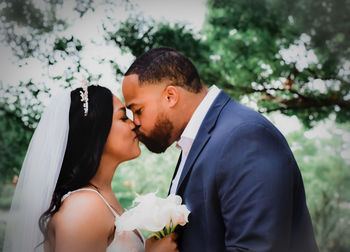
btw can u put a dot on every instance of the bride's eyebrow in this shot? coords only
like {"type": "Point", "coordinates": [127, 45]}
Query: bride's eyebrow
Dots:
{"type": "Point", "coordinates": [123, 109]}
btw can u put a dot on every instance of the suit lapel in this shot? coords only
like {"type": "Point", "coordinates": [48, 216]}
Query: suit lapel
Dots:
{"type": "Point", "coordinates": [197, 147]}
{"type": "Point", "coordinates": [203, 137]}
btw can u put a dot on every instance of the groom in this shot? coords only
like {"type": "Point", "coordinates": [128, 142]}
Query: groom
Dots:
{"type": "Point", "coordinates": [236, 172]}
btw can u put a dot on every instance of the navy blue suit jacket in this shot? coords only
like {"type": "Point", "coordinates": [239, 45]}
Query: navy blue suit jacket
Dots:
{"type": "Point", "coordinates": [242, 186]}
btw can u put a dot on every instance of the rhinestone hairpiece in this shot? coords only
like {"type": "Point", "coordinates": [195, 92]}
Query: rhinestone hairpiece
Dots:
{"type": "Point", "coordinates": [84, 96]}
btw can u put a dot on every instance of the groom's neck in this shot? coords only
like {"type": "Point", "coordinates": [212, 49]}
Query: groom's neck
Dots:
{"type": "Point", "coordinates": [189, 103]}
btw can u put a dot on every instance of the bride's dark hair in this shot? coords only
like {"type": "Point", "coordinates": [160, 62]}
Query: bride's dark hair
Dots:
{"type": "Point", "coordinates": [86, 140]}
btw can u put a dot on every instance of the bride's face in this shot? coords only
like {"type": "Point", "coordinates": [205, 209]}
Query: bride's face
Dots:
{"type": "Point", "coordinates": [122, 142]}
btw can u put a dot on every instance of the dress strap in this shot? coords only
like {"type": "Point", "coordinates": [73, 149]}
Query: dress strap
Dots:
{"type": "Point", "coordinates": [88, 189]}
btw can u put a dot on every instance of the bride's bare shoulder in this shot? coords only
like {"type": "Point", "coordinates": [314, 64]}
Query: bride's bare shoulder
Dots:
{"type": "Point", "coordinates": [83, 223]}
{"type": "Point", "coordinates": [81, 210]}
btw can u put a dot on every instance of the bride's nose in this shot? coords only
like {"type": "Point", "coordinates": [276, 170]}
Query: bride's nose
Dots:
{"type": "Point", "coordinates": [131, 124]}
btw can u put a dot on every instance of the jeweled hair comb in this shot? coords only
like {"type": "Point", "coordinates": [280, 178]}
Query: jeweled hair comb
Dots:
{"type": "Point", "coordinates": [84, 96]}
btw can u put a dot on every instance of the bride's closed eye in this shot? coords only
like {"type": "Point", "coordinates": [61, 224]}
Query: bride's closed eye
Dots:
{"type": "Point", "coordinates": [124, 118]}
{"type": "Point", "coordinates": [122, 114]}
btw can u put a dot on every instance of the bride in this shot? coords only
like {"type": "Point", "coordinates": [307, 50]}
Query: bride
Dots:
{"type": "Point", "coordinates": [64, 199]}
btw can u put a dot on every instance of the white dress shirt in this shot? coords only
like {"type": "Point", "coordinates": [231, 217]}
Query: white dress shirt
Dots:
{"type": "Point", "coordinates": [191, 130]}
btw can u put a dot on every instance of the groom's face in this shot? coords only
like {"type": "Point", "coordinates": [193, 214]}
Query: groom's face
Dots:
{"type": "Point", "coordinates": [154, 128]}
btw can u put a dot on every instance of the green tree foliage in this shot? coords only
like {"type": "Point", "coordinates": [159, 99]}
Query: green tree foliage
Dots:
{"type": "Point", "coordinates": [20, 111]}
{"type": "Point", "coordinates": [25, 28]}
{"type": "Point", "coordinates": [25, 25]}
{"type": "Point", "coordinates": [245, 48]}
{"type": "Point", "coordinates": [137, 35]}
{"type": "Point", "coordinates": [249, 37]}
{"type": "Point", "coordinates": [327, 180]}
{"type": "Point", "coordinates": [14, 138]}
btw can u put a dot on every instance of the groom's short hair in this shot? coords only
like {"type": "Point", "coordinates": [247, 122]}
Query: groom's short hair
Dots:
{"type": "Point", "coordinates": [166, 64]}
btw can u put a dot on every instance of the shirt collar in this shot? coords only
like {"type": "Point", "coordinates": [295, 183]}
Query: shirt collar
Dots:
{"type": "Point", "coordinates": [191, 130]}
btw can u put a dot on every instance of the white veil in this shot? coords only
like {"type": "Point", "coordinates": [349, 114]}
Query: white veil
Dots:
{"type": "Point", "coordinates": [38, 177]}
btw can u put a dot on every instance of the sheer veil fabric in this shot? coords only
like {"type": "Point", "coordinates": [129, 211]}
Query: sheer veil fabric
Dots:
{"type": "Point", "coordinates": [38, 177]}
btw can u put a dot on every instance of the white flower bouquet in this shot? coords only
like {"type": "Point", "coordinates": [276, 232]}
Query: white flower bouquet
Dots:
{"type": "Point", "coordinates": [157, 215]}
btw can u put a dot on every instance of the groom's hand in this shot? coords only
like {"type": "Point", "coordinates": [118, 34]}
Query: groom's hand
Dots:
{"type": "Point", "coordinates": [168, 243]}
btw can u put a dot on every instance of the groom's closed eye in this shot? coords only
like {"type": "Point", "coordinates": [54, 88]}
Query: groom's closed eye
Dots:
{"type": "Point", "coordinates": [135, 111]}
{"type": "Point", "coordinates": [138, 112]}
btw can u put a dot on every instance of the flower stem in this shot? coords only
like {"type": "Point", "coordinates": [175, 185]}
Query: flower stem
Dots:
{"type": "Point", "coordinates": [156, 234]}
{"type": "Point", "coordinates": [173, 228]}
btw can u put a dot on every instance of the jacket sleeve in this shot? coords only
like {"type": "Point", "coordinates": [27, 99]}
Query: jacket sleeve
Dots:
{"type": "Point", "coordinates": [255, 179]}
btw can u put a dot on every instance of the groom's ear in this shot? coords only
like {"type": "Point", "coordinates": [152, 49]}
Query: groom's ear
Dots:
{"type": "Point", "coordinates": [171, 96]}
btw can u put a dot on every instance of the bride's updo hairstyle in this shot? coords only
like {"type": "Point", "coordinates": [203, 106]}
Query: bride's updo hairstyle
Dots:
{"type": "Point", "coordinates": [86, 139]}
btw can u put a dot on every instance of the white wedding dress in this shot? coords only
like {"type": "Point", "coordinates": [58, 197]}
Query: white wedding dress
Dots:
{"type": "Point", "coordinates": [126, 241]}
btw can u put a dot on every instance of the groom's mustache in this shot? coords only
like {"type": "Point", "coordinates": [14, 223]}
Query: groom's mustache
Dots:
{"type": "Point", "coordinates": [139, 135]}
{"type": "Point", "coordinates": [154, 142]}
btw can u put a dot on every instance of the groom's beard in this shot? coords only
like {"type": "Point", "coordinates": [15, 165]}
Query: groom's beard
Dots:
{"type": "Point", "coordinates": [158, 140]}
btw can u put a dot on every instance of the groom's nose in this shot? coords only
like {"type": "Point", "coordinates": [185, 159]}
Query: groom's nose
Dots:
{"type": "Point", "coordinates": [136, 120]}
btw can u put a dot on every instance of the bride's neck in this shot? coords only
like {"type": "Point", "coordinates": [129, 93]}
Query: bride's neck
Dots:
{"type": "Point", "coordinates": [105, 172]}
